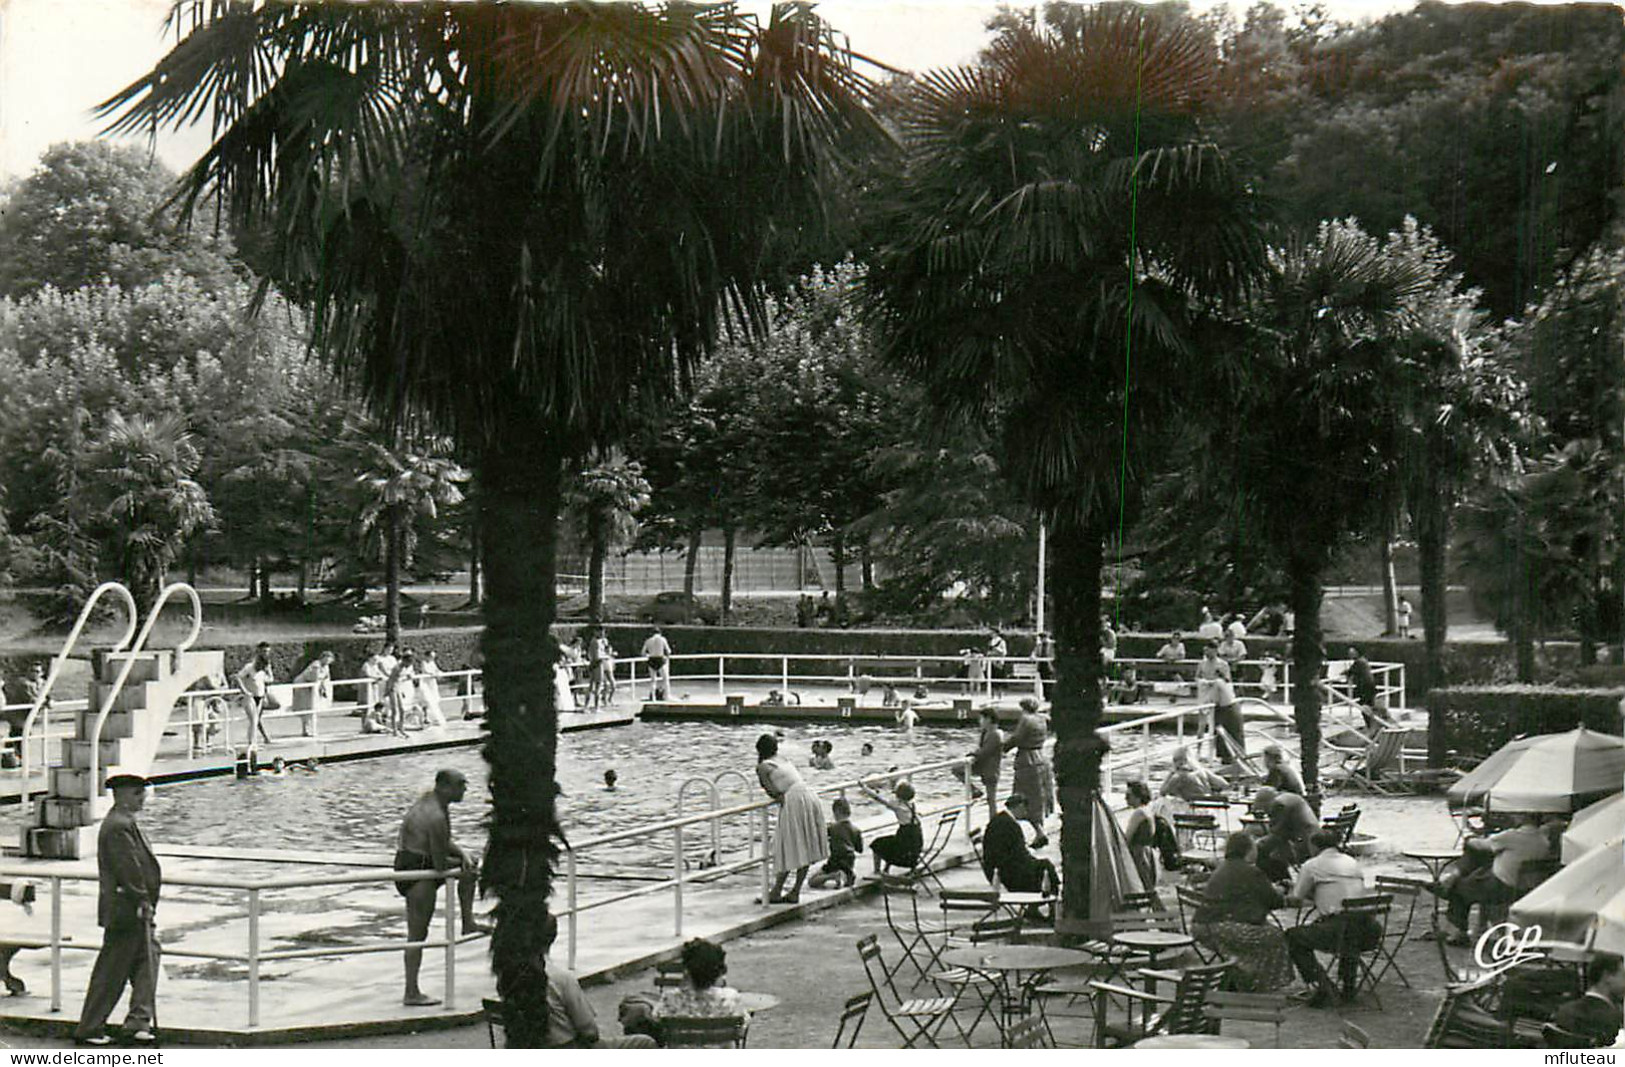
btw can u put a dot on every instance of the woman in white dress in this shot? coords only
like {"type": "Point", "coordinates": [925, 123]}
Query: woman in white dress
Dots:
{"type": "Point", "coordinates": [318, 675]}
{"type": "Point", "coordinates": [428, 680]}
{"type": "Point", "coordinates": [564, 698]}
{"type": "Point", "coordinates": [800, 839]}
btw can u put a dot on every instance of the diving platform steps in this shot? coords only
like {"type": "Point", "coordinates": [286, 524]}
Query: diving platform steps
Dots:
{"type": "Point", "coordinates": [64, 820]}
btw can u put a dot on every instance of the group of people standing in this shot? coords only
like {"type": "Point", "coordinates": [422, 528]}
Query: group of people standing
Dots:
{"type": "Point", "coordinates": [588, 661]}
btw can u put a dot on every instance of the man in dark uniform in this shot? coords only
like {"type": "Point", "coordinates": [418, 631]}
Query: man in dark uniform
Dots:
{"type": "Point", "coordinates": [130, 882]}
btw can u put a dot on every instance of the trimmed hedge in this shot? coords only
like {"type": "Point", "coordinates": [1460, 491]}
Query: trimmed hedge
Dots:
{"type": "Point", "coordinates": [1480, 719]}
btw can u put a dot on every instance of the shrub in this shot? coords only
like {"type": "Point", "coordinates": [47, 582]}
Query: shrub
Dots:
{"type": "Point", "coordinates": [1480, 719]}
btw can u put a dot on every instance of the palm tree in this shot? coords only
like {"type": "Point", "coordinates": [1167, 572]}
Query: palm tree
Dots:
{"type": "Point", "coordinates": [605, 500]}
{"type": "Point", "coordinates": [520, 222]}
{"type": "Point", "coordinates": [147, 498]}
{"type": "Point", "coordinates": [399, 486]}
{"type": "Point", "coordinates": [1322, 447]}
{"type": "Point", "coordinates": [1043, 255]}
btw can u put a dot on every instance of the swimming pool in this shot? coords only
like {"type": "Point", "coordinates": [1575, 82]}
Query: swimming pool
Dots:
{"type": "Point", "coordinates": [356, 806]}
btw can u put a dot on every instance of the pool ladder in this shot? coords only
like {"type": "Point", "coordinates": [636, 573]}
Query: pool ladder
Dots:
{"type": "Point", "coordinates": [713, 797]}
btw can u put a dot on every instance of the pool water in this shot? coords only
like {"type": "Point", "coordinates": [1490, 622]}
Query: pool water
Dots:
{"type": "Point", "coordinates": [356, 806]}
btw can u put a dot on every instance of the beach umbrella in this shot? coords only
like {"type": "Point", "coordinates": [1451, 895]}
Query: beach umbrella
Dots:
{"type": "Point", "coordinates": [1552, 772]}
{"type": "Point", "coordinates": [1582, 903]}
{"type": "Point", "coordinates": [1113, 874]}
{"type": "Point", "coordinates": [1596, 825]}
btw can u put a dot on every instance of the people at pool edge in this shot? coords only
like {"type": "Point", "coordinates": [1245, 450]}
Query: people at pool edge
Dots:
{"type": "Point", "coordinates": [1597, 1014]}
{"type": "Point", "coordinates": [902, 848]}
{"type": "Point", "coordinates": [318, 674]}
{"type": "Point", "coordinates": [800, 838]}
{"type": "Point", "coordinates": [424, 844]}
{"type": "Point", "coordinates": [254, 679]}
{"type": "Point", "coordinates": [657, 651]}
{"type": "Point", "coordinates": [1188, 781]}
{"type": "Point", "coordinates": [1027, 766]}
{"type": "Point", "coordinates": [129, 882]}
{"type": "Point", "coordinates": [1006, 861]}
{"type": "Point", "coordinates": [845, 842]}
{"type": "Point", "coordinates": [1329, 877]}
{"type": "Point", "coordinates": [985, 762]}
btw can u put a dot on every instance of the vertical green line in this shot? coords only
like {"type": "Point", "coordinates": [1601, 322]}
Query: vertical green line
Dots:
{"type": "Point", "coordinates": [1128, 320]}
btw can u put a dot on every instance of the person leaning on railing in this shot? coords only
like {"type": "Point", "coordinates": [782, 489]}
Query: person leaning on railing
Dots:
{"type": "Point", "coordinates": [424, 844]}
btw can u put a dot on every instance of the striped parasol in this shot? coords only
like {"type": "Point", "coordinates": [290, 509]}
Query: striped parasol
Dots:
{"type": "Point", "coordinates": [1595, 826]}
{"type": "Point", "coordinates": [1583, 903]}
{"type": "Point", "coordinates": [1552, 772]}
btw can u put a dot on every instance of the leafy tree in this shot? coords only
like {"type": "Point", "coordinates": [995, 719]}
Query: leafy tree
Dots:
{"type": "Point", "coordinates": [521, 248]}
{"type": "Point", "coordinates": [605, 500]}
{"type": "Point", "coordinates": [1058, 219]}
{"type": "Point", "coordinates": [146, 499]}
{"type": "Point", "coordinates": [92, 212]}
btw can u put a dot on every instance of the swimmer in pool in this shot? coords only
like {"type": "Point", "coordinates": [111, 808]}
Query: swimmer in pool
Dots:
{"type": "Point", "coordinates": [610, 778]}
{"type": "Point", "coordinates": [868, 749]}
{"type": "Point", "coordinates": [822, 756]}
{"type": "Point", "coordinates": [907, 717]}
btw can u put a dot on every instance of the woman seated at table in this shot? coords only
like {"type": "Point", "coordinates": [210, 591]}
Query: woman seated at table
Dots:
{"type": "Point", "coordinates": [1190, 781]}
{"type": "Point", "coordinates": [705, 963]}
{"type": "Point", "coordinates": [1234, 919]}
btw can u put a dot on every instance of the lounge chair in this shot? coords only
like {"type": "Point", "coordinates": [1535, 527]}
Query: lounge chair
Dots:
{"type": "Point", "coordinates": [1381, 763]}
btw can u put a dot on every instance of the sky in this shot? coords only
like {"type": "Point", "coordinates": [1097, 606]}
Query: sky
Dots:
{"type": "Point", "coordinates": [59, 58]}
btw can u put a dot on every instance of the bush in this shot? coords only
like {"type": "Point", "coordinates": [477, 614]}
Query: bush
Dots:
{"type": "Point", "coordinates": [1480, 719]}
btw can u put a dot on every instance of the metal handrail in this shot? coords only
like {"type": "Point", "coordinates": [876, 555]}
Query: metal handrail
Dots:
{"type": "Point", "coordinates": [44, 694]}
{"type": "Point", "coordinates": [129, 656]}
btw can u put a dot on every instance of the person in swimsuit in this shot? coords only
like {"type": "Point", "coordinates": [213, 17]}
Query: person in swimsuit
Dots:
{"type": "Point", "coordinates": [424, 844]}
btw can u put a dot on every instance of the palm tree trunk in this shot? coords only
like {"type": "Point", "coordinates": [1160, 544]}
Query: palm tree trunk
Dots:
{"type": "Point", "coordinates": [392, 575]}
{"type": "Point", "coordinates": [730, 538]}
{"type": "Point", "coordinates": [691, 558]}
{"type": "Point", "coordinates": [598, 534]}
{"type": "Point", "coordinates": [474, 545]}
{"type": "Point", "coordinates": [1432, 537]}
{"type": "Point", "coordinates": [1308, 654]}
{"type": "Point", "coordinates": [1074, 587]}
{"type": "Point", "coordinates": [1390, 589]}
{"type": "Point", "coordinates": [520, 483]}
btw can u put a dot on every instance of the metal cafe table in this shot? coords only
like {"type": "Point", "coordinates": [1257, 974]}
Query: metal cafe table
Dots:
{"type": "Point", "coordinates": [1016, 970]}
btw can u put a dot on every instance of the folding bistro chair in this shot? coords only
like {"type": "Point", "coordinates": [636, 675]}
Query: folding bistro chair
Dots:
{"type": "Point", "coordinates": [1182, 1012]}
{"type": "Point", "coordinates": [912, 933]}
{"type": "Point", "coordinates": [856, 1010]}
{"type": "Point", "coordinates": [720, 1031]}
{"type": "Point", "coordinates": [921, 872]}
{"type": "Point", "coordinates": [916, 1019]}
{"type": "Point", "coordinates": [1270, 1008]}
{"type": "Point", "coordinates": [669, 975]}
{"type": "Point", "coordinates": [1198, 836]}
{"type": "Point", "coordinates": [1190, 899]}
{"type": "Point", "coordinates": [1461, 1022]}
{"type": "Point", "coordinates": [1376, 908]}
{"type": "Point", "coordinates": [1029, 1033]}
{"type": "Point", "coordinates": [496, 1021]}
{"type": "Point", "coordinates": [989, 987]}
{"type": "Point", "coordinates": [1353, 1037]}
{"type": "Point", "coordinates": [1400, 922]}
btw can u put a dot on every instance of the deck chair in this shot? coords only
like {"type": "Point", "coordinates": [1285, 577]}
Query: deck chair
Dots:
{"type": "Point", "coordinates": [1269, 1008]}
{"type": "Point", "coordinates": [1401, 920]}
{"type": "Point", "coordinates": [1353, 1037]}
{"type": "Point", "coordinates": [856, 1010]}
{"type": "Point", "coordinates": [1249, 770]}
{"type": "Point", "coordinates": [1381, 760]}
{"type": "Point", "coordinates": [916, 1019]}
{"type": "Point", "coordinates": [921, 872]}
{"type": "Point", "coordinates": [1461, 1023]}
{"type": "Point", "coordinates": [1182, 1012]}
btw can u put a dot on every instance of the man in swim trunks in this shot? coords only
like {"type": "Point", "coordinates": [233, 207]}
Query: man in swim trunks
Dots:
{"type": "Point", "coordinates": [425, 844]}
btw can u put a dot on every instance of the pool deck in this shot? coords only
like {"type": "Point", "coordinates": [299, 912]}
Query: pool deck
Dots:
{"type": "Point", "coordinates": [206, 1002]}
{"type": "Point", "coordinates": [336, 740]}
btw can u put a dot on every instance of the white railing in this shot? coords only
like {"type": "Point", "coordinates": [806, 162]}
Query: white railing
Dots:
{"type": "Point", "coordinates": [253, 956]}
{"type": "Point", "coordinates": [42, 699]}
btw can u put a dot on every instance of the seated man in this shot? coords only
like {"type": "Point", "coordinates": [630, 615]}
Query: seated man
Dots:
{"type": "Point", "coordinates": [1597, 1015]}
{"type": "Point", "coordinates": [1006, 861]}
{"type": "Point", "coordinates": [1188, 781]}
{"type": "Point", "coordinates": [571, 1022]}
{"type": "Point", "coordinates": [1497, 884]}
{"type": "Point", "coordinates": [1292, 822]}
{"type": "Point", "coordinates": [1278, 774]}
{"type": "Point", "coordinates": [1327, 879]}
